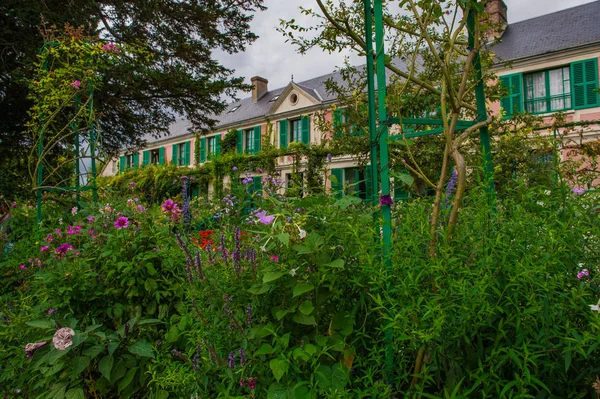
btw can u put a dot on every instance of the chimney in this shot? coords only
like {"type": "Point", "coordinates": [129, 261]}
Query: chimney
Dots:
{"type": "Point", "coordinates": [259, 88]}
{"type": "Point", "coordinates": [496, 18]}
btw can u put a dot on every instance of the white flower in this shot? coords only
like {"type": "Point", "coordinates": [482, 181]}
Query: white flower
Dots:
{"type": "Point", "coordinates": [595, 308]}
{"type": "Point", "coordinates": [548, 192]}
{"type": "Point", "coordinates": [293, 272]}
{"type": "Point", "coordinates": [541, 203]}
{"type": "Point", "coordinates": [60, 221]}
{"type": "Point", "coordinates": [302, 233]}
{"type": "Point", "coordinates": [63, 338]}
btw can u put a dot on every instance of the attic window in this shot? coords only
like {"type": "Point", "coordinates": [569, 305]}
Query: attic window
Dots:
{"type": "Point", "coordinates": [294, 99]}
{"type": "Point", "coordinates": [232, 110]}
{"type": "Point", "coordinates": [274, 99]}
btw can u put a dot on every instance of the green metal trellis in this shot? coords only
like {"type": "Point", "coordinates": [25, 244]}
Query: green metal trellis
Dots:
{"type": "Point", "coordinates": [93, 136]}
{"type": "Point", "coordinates": [379, 134]}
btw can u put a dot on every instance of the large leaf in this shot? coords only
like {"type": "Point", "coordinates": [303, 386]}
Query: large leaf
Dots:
{"type": "Point", "coordinates": [301, 318]}
{"type": "Point", "coordinates": [278, 391]}
{"type": "Point", "coordinates": [142, 348]}
{"type": "Point", "coordinates": [306, 307]}
{"type": "Point", "coordinates": [80, 363]}
{"type": "Point", "coordinates": [279, 367]}
{"type": "Point", "coordinates": [105, 366]}
{"type": "Point", "coordinates": [75, 393]}
{"type": "Point", "coordinates": [265, 349]}
{"type": "Point", "coordinates": [301, 288]}
{"type": "Point", "coordinates": [127, 380]}
{"type": "Point", "coordinates": [337, 264]}
{"type": "Point", "coordinates": [272, 276]}
{"type": "Point", "coordinates": [41, 323]}
{"type": "Point", "coordinates": [284, 238]}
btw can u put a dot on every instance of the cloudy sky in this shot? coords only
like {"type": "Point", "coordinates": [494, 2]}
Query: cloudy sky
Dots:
{"type": "Point", "coordinates": [274, 59]}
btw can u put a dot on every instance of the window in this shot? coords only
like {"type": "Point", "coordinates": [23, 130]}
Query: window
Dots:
{"type": "Point", "coordinates": [548, 91]}
{"type": "Point", "coordinates": [155, 156]}
{"type": "Point", "coordinates": [249, 141]}
{"type": "Point", "coordinates": [573, 86]}
{"type": "Point", "coordinates": [295, 131]}
{"type": "Point", "coordinates": [181, 156]}
{"type": "Point", "coordinates": [129, 161]}
{"type": "Point", "coordinates": [212, 146]}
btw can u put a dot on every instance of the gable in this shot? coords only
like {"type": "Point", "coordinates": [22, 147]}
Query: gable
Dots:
{"type": "Point", "coordinates": [294, 97]}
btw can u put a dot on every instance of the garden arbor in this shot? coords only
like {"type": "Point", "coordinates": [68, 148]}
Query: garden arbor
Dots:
{"type": "Point", "coordinates": [379, 122]}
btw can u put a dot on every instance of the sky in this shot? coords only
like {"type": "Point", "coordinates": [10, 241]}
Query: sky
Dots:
{"type": "Point", "coordinates": [275, 60]}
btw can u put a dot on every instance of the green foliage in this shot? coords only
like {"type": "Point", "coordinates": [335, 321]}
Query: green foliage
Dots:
{"type": "Point", "coordinates": [229, 142]}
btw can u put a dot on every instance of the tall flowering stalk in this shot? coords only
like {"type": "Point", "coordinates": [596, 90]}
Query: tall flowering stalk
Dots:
{"type": "Point", "coordinates": [187, 213]}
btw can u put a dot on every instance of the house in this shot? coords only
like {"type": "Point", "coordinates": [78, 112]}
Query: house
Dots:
{"type": "Point", "coordinates": [548, 64]}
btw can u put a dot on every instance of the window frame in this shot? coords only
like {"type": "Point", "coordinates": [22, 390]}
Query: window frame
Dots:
{"type": "Point", "coordinates": [298, 138]}
{"type": "Point", "coordinates": [529, 103]}
{"type": "Point", "coordinates": [155, 156]}
{"type": "Point", "coordinates": [129, 160]}
{"type": "Point", "coordinates": [211, 146]}
{"type": "Point", "coordinates": [249, 141]}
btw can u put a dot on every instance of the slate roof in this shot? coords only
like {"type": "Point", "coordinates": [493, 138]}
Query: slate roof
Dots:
{"type": "Point", "coordinates": [561, 30]}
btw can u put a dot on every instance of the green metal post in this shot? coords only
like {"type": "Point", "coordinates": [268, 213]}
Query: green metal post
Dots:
{"type": "Point", "coordinates": [92, 142]}
{"type": "Point", "coordinates": [484, 135]}
{"type": "Point", "coordinates": [77, 171]}
{"type": "Point", "coordinates": [371, 97]}
{"type": "Point", "coordinates": [384, 166]}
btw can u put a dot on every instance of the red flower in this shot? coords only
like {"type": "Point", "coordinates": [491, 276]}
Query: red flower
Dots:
{"type": "Point", "coordinates": [205, 233]}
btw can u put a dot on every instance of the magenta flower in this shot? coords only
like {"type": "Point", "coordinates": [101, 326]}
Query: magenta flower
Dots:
{"type": "Point", "coordinates": [90, 219]}
{"type": "Point", "coordinates": [578, 191]}
{"type": "Point", "coordinates": [50, 311]}
{"type": "Point", "coordinates": [274, 258]}
{"type": "Point", "coordinates": [76, 84]}
{"type": "Point", "coordinates": [73, 230]}
{"type": "Point", "coordinates": [63, 248]}
{"type": "Point", "coordinates": [385, 200]}
{"type": "Point", "coordinates": [168, 206]}
{"type": "Point", "coordinates": [122, 223]}
{"type": "Point", "coordinates": [23, 266]}
{"type": "Point", "coordinates": [264, 219]}
{"type": "Point", "coordinates": [583, 273]}
{"type": "Point", "coordinates": [44, 248]}
{"type": "Point", "coordinates": [49, 238]}
{"type": "Point", "coordinates": [140, 208]}
{"type": "Point", "coordinates": [110, 47]}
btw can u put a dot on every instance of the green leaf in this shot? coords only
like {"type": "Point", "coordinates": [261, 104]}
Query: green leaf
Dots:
{"type": "Point", "coordinates": [105, 366]}
{"type": "Point", "coordinates": [94, 351]}
{"type": "Point", "coordinates": [150, 285]}
{"type": "Point", "coordinates": [279, 367]}
{"type": "Point", "coordinates": [310, 349]}
{"type": "Point", "coordinates": [339, 376]}
{"type": "Point", "coordinates": [127, 380]}
{"type": "Point", "coordinates": [75, 393]}
{"type": "Point", "coordinates": [277, 391]}
{"type": "Point", "coordinates": [57, 391]}
{"type": "Point", "coordinates": [142, 348]}
{"type": "Point", "coordinates": [304, 319]}
{"type": "Point", "coordinates": [301, 288]}
{"type": "Point", "coordinates": [150, 322]}
{"type": "Point", "coordinates": [272, 276]}
{"type": "Point", "coordinates": [258, 289]}
{"type": "Point", "coordinates": [265, 349]}
{"type": "Point", "coordinates": [80, 363]}
{"type": "Point", "coordinates": [284, 238]}
{"type": "Point", "coordinates": [41, 323]}
{"type": "Point", "coordinates": [323, 376]}
{"type": "Point", "coordinates": [301, 354]}
{"type": "Point", "coordinates": [306, 307]}
{"type": "Point", "coordinates": [112, 346]}
{"type": "Point", "coordinates": [338, 264]}
{"type": "Point", "coordinates": [405, 178]}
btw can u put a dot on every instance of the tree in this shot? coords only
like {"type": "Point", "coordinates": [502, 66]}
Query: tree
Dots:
{"type": "Point", "coordinates": [432, 61]}
{"type": "Point", "coordinates": [176, 76]}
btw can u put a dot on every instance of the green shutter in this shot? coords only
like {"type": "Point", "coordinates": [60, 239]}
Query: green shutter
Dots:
{"type": "Point", "coordinates": [337, 122]}
{"type": "Point", "coordinates": [161, 155]}
{"type": "Point", "coordinates": [188, 145]}
{"type": "Point", "coordinates": [305, 129]}
{"type": "Point", "coordinates": [195, 191]}
{"type": "Point", "coordinates": [217, 144]}
{"type": "Point", "coordinates": [122, 163]}
{"type": "Point", "coordinates": [257, 184]}
{"type": "Point", "coordinates": [175, 154]}
{"type": "Point", "coordinates": [584, 83]}
{"type": "Point", "coordinates": [240, 142]}
{"type": "Point", "coordinates": [136, 159]}
{"type": "Point", "coordinates": [145, 158]}
{"type": "Point", "coordinates": [337, 187]}
{"type": "Point", "coordinates": [256, 139]}
{"type": "Point", "coordinates": [203, 149]}
{"type": "Point", "coordinates": [283, 133]}
{"type": "Point", "coordinates": [513, 102]}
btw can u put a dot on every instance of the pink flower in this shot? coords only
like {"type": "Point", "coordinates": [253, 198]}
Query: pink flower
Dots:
{"type": "Point", "coordinates": [578, 191]}
{"type": "Point", "coordinates": [76, 84]}
{"type": "Point", "coordinates": [63, 338]}
{"type": "Point", "coordinates": [583, 273]}
{"type": "Point", "coordinates": [122, 223]}
{"type": "Point", "coordinates": [50, 311]}
{"type": "Point", "coordinates": [74, 211]}
{"type": "Point", "coordinates": [73, 230]}
{"type": "Point", "coordinates": [13, 204]}
{"type": "Point", "coordinates": [49, 238]}
{"type": "Point", "coordinates": [274, 258]}
{"type": "Point", "coordinates": [63, 248]}
{"type": "Point", "coordinates": [91, 232]}
{"type": "Point", "coordinates": [90, 219]}
{"type": "Point", "coordinates": [44, 248]}
{"type": "Point", "coordinates": [264, 219]}
{"type": "Point", "coordinates": [23, 266]}
{"type": "Point", "coordinates": [140, 208]}
{"type": "Point", "coordinates": [57, 231]}
{"type": "Point", "coordinates": [31, 348]}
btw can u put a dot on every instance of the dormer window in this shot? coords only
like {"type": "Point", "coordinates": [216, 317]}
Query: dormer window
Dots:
{"type": "Point", "coordinates": [275, 98]}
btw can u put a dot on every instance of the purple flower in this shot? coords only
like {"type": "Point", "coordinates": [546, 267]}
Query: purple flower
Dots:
{"type": "Point", "coordinates": [274, 258]}
{"type": "Point", "coordinates": [578, 191]}
{"type": "Point", "coordinates": [234, 168]}
{"type": "Point", "coordinates": [249, 314]}
{"type": "Point", "coordinates": [264, 219]}
{"type": "Point", "coordinates": [231, 360]}
{"type": "Point", "coordinates": [328, 157]}
{"type": "Point", "coordinates": [583, 273]}
{"type": "Point", "coordinates": [140, 208]}
{"type": "Point", "coordinates": [259, 170]}
{"type": "Point", "coordinates": [451, 187]}
{"type": "Point", "coordinates": [31, 348]}
{"type": "Point", "coordinates": [50, 311]}
{"type": "Point", "coordinates": [183, 178]}
{"type": "Point", "coordinates": [44, 248]}
{"type": "Point", "coordinates": [90, 219]}
{"type": "Point", "coordinates": [122, 223]}
{"type": "Point", "coordinates": [242, 357]}
{"type": "Point", "coordinates": [385, 200]}
{"type": "Point", "coordinates": [63, 248]}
